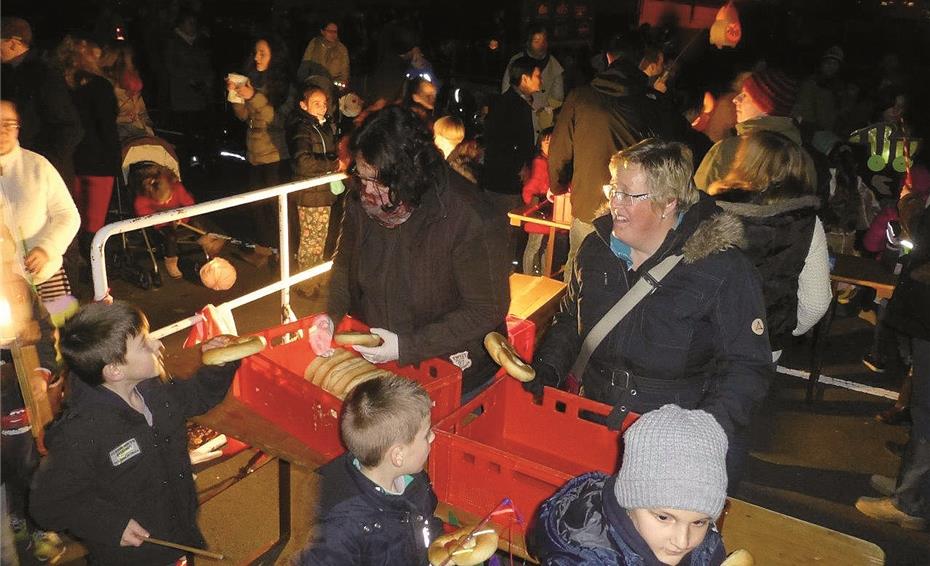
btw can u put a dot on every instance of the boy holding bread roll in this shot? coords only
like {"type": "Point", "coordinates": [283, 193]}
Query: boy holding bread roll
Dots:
{"type": "Point", "coordinates": [376, 501]}
{"type": "Point", "coordinates": [118, 469]}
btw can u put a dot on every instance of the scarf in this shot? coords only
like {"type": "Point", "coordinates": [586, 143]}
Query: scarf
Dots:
{"type": "Point", "coordinates": [374, 198]}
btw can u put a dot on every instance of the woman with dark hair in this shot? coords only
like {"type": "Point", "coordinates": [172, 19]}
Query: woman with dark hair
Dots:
{"type": "Point", "coordinates": [97, 156]}
{"type": "Point", "coordinates": [266, 101]}
{"type": "Point", "coordinates": [420, 258]}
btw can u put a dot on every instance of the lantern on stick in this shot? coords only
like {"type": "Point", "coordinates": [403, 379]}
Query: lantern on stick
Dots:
{"type": "Point", "coordinates": [726, 31]}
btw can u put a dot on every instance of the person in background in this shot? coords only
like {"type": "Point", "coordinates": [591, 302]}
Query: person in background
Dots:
{"type": "Point", "coordinates": [39, 210]}
{"type": "Point", "coordinates": [551, 93]}
{"type": "Point", "coordinates": [905, 500]}
{"type": "Point", "coordinates": [818, 98]}
{"type": "Point", "coordinates": [769, 188]}
{"type": "Point", "coordinates": [535, 190]}
{"type": "Point", "coordinates": [266, 103]}
{"type": "Point", "coordinates": [509, 136]}
{"type": "Point", "coordinates": [467, 159]}
{"type": "Point", "coordinates": [661, 506]}
{"type": "Point", "coordinates": [380, 480]}
{"type": "Point", "coordinates": [764, 103]}
{"type": "Point", "coordinates": [189, 75]}
{"type": "Point", "coordinates": [97, 157]}
{"type": "Point", "coordinates": [49, 122]}
{"type": "Point", "coordinates": [420, 98]}
{"type": "Point", "coordinates": [420, 257]}
{"type": "Point", "coordinates": [699, 338]}
{"type": "Point", "coordinates": [315, 154]}
{"type": "Point", "coordinates": [132, 119]}
{"type": "Point", "coordinates": [326, 51]}
{"type": "Point", "coordinates": [448, 133]}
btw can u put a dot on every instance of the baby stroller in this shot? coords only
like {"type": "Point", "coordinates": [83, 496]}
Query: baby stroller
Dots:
{"type": "Point", "coordinates": [128, 263]}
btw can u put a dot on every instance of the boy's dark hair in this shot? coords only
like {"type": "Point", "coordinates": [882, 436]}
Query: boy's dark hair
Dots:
{"type": "Point", "coordinates": [522, 66]}
{"type": "Point", "coordinates": [543, 134]}
{"type": "Point", "coordinates": [97, 335]}
{"type": "Point", "coordinates": [380, 413]}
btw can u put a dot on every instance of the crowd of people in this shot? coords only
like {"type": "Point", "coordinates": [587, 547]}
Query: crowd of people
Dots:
{"type": "Point", "coordinates": [699, 248]}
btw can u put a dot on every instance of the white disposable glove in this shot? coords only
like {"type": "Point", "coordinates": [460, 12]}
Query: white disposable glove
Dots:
{"type": "Point", "coordinates": [388, 351]}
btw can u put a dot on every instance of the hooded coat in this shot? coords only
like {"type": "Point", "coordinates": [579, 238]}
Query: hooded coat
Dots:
{"type": "Point", "coordinates": [617, 110]}
{"type": "Point", "coordinates": [704, 327]}
{"type": "Point", "coordinates": [719, 160]}
{"type": "Point", "coordinates": [584, 525]}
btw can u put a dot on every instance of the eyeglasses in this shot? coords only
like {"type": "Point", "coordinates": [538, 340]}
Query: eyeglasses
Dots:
{"type": "Point", "coordinates": [9, 125]}
{"type": "Point", "coordinates": [627, 199]}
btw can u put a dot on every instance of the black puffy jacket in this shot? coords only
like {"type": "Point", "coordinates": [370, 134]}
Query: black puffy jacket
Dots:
{"type": "Point", "coordinates": [705, 322]}
{"type": "Point", "coordinates": [362, 525]}
{"type": "Point", "coordinates": [909, 308]}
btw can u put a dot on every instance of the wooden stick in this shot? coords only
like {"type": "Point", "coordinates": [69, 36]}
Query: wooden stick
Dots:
{"type": "Point", "coordinates": [191, 549]}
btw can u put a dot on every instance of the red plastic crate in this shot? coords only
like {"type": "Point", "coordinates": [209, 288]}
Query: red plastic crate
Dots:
{"type": "Point", "coordinates": [522, 334]}
{"type": "Point", "coordinates": [502, 444]}
{"type": "Point", "coordinates": [272, 384]}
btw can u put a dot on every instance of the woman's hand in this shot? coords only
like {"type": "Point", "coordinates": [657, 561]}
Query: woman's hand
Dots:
{"type": "Point", "coordinates": [246, 91]}
{"type": "Point", "coordinates": [35, 260]}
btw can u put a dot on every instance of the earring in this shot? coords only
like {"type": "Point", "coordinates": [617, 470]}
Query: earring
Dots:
{"type": "Point", "coordinates": [663, 216]}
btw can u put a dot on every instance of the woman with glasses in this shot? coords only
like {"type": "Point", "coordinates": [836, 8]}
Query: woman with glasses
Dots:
{"type": "Point", "coordinates": [420, 257]}
{"type": "Point", "coordinates": [699, 338]}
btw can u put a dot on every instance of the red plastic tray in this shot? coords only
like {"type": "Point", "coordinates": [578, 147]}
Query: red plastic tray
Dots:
{"type": "Point", "coordinates": [272, 384]}
{"type": "Point", "coordinates": [502, 444]}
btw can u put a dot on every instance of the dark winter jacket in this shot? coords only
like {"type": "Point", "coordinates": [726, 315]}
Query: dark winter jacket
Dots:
{"type": "Point", "coordinates": [615, 111]}
{"type": "Point", "coordinates": [362, 525]}
{"type": "Point", "coordinates": [703, 328]}
{"type": "Point", "coordinates": [909, 308]}
{"type": "Point", "coordinates": [510, 143]}
{"type": "Point", "coordinates": [315, 154]}
{"type": "Point", "coordinates": [584, 525]}
{"type": "Point", "coordinates": [99, 153]}
{"type": "Point", "coordinates": [777, 239]}
{"type": "Point", "coordinates": [439, 280]}
{"type": "Point", "coordinates": [49, 123]}
{"type": "Point", "coordinates": [106, 465]}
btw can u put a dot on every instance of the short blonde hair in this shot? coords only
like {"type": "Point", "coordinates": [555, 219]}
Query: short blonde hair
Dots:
{"type": "Point", "coordinates": [380, 413]}
{"type": "Point", "coordinates": [450, 128]}
{"type": "Point", "coordinates": [668, 167]}
{"type": "Point", "coordinates": [767, 159]}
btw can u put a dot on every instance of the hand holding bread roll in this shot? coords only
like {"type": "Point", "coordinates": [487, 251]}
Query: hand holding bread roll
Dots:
{"type": "Point", "coordinates": [502, 352]}
{"type": "Point", "coordinates": [357, 339]}
{"type": "Point", "coordinates": [235, 348]}
{"type": "Point", "coordinates": [460, 549]}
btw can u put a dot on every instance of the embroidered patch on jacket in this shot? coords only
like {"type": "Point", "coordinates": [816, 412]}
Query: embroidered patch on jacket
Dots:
{"type": "Point", "coordinates": [124, 452]}
{"type": "Point", "coordinates": [461, 360]}
{"type": "Point", "coordinates": [758, 327]}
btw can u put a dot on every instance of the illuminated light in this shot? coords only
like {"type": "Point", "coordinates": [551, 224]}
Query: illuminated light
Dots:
{"type": "Point", "coordinates": [455, 95]}
{"type": "Point", "coordinates": [234, 155]}
{"type": "Point", "coordinates": [907, 244]}
{"type": "Point", "coordinates": [427, 77]}
{"type": "Point", "coordinates": [6, 322]}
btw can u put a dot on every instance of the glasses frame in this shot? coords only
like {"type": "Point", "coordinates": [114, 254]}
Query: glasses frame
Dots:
{"type": "Point", "coordinates": [624, 198]}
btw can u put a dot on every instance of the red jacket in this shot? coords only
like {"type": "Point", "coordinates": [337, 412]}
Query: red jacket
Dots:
{"type": "Point", "coordinates": [536, 185]}
{"type": "Point", "coordinates": [145, 205]}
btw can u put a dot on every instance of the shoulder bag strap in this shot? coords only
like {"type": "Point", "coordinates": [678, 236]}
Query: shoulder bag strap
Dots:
{"type": "Point", "coordinates": [647, 284]}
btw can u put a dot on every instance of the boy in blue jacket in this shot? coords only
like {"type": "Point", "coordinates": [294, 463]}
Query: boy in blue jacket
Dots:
{"type": "Point", "coordinates": [376, 503]}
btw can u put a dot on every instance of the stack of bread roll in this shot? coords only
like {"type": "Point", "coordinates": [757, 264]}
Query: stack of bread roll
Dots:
{"type": "Point", "coordinates": [341, 372]}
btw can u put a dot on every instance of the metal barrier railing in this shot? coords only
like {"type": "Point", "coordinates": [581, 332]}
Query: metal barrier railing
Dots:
{"type": "Point", "coordinates": [98, 261]}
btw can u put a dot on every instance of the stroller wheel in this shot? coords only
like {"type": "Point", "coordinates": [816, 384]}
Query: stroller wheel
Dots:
{"type": "Point", "coordinates": [144, 280]}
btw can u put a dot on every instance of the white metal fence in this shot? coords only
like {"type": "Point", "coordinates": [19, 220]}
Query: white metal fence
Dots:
{"type": "Point", "coordinates": [98, 257]}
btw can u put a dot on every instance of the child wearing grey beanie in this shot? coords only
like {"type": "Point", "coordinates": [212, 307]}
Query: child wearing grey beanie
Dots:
{"type": "Point", "coordinates": [658, 510]}
{"type": "Point", "coordinates": [674, 458]}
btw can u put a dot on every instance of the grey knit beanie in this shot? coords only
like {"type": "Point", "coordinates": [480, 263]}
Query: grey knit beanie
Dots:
{"type": "Point", "coordinates": [675, 459]}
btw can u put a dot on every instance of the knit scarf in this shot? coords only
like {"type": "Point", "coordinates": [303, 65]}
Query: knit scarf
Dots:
{"type": "Point", "coordinates": [374, 201]}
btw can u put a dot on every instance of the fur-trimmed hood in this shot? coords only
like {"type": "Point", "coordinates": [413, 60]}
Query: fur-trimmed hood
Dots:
{"type": "Point", "coordinates": [749, 209]}
{"type": "Point", "coordinates": [704, 230]}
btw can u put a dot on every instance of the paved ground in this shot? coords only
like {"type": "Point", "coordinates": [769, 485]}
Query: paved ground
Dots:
{"type": "Point", "coordinates": [808, 461]}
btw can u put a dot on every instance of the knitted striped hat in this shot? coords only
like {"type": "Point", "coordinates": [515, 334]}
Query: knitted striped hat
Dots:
{"type": "Point", "coordinates": [674, 459]}
{"type": "Point", "coordinates": [772, 91]}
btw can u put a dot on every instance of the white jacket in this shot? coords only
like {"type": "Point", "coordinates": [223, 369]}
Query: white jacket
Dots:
{"type": "Point", "coordinates": [37, 207]}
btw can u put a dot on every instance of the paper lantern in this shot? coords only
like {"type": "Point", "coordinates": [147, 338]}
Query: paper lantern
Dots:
{"type": "Point", "coordinates": [726, 30]}
{"type": "Point", "coordinates": [350, 105]}
{"type": "Point", "coordinates": [218, 274]}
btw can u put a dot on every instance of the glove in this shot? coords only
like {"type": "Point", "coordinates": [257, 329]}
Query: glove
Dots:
{"type": "Point", "coordinates": [545, 375]}
{"type": "Point", "coordinates": [388, 351]}
{"type": "Point", "coordinates": [321, 335]}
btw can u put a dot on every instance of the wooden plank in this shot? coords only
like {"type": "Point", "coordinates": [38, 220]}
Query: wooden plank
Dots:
{"type": "Point", "coordinates": [776, 539]}
{"type": "Point", "coordinates": [865, 272]}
